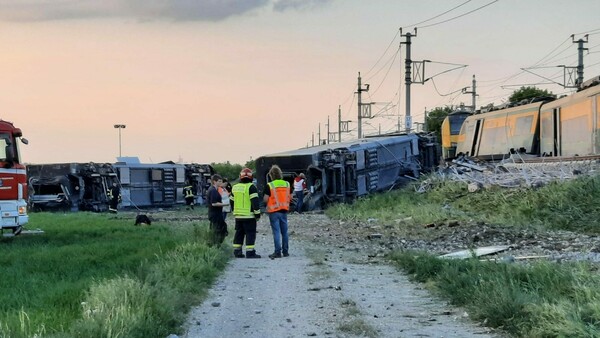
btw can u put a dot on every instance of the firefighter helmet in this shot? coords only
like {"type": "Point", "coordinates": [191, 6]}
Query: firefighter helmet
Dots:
{"type": "Point", "coordinates": [246, 173]}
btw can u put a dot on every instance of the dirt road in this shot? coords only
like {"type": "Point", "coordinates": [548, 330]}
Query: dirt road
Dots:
{"type": "Point", "coordinates": [321, 290]}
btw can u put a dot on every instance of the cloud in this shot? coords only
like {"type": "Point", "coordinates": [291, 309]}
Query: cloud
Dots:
{"type": "Point", "coordinates": [174, 10]}
{"type": "Point", "coordinates": [285, 5]}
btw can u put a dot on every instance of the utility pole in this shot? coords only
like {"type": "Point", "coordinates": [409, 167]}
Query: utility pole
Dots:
{"type": "Point", "coordinates": [313, 139]}
{"type": "Point", "coordinates": [362, 113]}
{"type": "Point", "coordinates": [328, 129]}
{"type": "Point", "coordinates": [580, 50]}
{"type": "Point", "coordinates": [319, 134]}
{"type": "Point", "coordinates": [343, 126]}
{"type": "Point", "coordinates": [408, 79]}
{"type": "Point", "coordinates": [573, 76]}
{"type": "Point", "coordinates": [340, 123]}
{"type": "Point", "coordinates": [473, 93]}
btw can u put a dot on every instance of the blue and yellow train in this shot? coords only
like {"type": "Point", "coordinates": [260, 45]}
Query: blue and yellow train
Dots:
{"type": "Point", "coordinates": [564, 127]}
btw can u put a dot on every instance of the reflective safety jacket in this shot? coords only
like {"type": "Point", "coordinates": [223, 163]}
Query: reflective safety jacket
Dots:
{"type": "Point", "coordinates": [279, 199]}
{"type": "Point", "coordinates": [114, 192]}
{"type": "Point", "coordinates": [187, 192]}
{"type": "Point", "coordinates": [242, 201]}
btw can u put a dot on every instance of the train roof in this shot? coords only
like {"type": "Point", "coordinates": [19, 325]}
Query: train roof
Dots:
{"type": "Point", "coordinates": [590, 83]}
{"type": "Point", "coordinates": [309, 151]}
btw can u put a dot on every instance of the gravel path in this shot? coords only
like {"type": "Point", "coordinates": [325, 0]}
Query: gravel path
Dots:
{"type": "Point", "coordinates": [323, 292]}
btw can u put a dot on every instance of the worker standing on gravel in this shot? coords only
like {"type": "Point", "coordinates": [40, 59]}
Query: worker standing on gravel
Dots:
{"type": "Point", "coordinates": [246, 212]}
{"type": "Point", "coordinates": [277, 199]}
{"type": "Point", "coordinates": [299, 188]}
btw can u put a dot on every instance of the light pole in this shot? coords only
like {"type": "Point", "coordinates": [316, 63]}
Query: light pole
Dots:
{"type": "Point", "coordinates": [119, 126]}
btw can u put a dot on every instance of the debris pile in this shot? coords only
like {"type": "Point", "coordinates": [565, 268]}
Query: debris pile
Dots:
{"type": "Point", "coordinates": [513, 172]}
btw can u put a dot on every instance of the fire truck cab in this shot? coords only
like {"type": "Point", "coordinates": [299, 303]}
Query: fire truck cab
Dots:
{"type": "Point", "coordinates": [13, 181]}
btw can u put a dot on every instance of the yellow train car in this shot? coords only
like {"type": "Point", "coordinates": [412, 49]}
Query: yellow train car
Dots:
{"type": "Point", "coordinates": [569, 126]}
{"type": "Point", "coordinates": [450, 131]}
{"type": "Point", "coordinates": [496, 134]}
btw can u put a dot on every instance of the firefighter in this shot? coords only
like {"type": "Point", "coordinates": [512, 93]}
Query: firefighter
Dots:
{"type": "Point", "coordinates": [246, 212]}
{"type": "Point", "coordinates": [114, 197]}
{"type": "Point", "coordinates": [277, 198]}
{"type": "Point", "coordinates": [188, 194]}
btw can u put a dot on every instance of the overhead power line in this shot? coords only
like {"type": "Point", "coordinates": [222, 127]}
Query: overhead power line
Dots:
{"type": "Point", "coordinates": [459, 16]}
{"type": "Point", "coordinates": [437, 16]}
{"type": "Point", "coordinates": [384, 53]}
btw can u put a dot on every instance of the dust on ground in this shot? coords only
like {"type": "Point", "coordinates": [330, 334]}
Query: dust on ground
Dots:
{"type": "Point", "coordinates": [336, 283]}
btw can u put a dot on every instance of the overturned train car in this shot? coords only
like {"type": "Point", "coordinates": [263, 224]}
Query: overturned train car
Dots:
{"type": "Point", "coordinates": [341, 172]}
{"type": "Point", "coordinates": [70, 186]}
{"type": "Point", "coordinates": [84, 186]}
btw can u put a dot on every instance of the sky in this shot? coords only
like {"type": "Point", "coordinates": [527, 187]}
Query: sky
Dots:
{"type": "Point", "coordinates": [214, 81]}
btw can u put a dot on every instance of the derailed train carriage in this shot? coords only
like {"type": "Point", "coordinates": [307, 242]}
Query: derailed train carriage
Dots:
{"type": "Point", "coordinates": [341, 172]}
{"type": "Point", "coordinates": [83, 186]}
{"type": "Point", "coordinates": [70, 186]}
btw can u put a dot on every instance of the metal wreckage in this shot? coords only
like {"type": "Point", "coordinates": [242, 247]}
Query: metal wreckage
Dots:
{"type": "Point", "coordinates": [336, 172]}
{"type": "Point", "coordinates": [84, 186]}
{"type": "Point", "coordinates": [341, 172]}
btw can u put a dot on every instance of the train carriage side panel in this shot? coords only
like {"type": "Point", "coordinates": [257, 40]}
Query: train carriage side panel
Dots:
{"type": "Point", "coordinates": [576, 128]}
{"type": "Point", "coordinates": [512, 130]}
{"type": "Point", "coordinates": [497, 133]}
{"type": "Point", "coordinates": [569, 126]}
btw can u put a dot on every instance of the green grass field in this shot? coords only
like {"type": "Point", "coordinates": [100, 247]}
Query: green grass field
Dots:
{"type": "Point", "coordinates": [540, 299]}
{"type": "Point", "coordinates": [97, 275]}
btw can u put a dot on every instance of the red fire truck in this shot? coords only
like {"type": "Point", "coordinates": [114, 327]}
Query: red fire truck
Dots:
{"type": "Point", "coordinates": [13, 181]}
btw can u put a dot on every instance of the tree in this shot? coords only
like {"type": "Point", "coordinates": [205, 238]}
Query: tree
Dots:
{"type": "Point", "coordinates": [227, 170]}
{"type": "Point", "coordinates": [435, 118]}
{"type": "Point", "coordinates": [525, 93]}
{"type": "Point", "coordinates": [232, 171]}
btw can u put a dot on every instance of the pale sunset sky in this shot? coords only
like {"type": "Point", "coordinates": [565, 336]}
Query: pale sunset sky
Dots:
{"type": "Point", "coordinates": [213, 81]}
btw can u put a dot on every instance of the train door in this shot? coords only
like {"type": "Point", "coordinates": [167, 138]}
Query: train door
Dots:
{"type": "Point", "coordinates": [550, 132]}
{"type": "Point", "coordinates": [476, 138]}
{"type": "Point", "coordinates": [556, 141]}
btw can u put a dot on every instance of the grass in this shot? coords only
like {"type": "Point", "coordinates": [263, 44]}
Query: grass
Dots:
{"type": "Point", "coordinates": [569, 205]}
{"type": "Point", "coordinates": [534, 300]}
{"type": "Point", "coordinates": [96, 275]}
{"type": "Point", "coordinates": [540, 300]}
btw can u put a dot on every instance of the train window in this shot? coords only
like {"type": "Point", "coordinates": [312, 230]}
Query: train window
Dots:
{"type": "Point", "coordinates": [456, 123]}
{"type": "Point", "coordinates": [523, 126]}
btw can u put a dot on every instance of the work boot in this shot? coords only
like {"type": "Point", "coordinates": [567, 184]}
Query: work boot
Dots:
{"type": "Point", "coordinates": [275, 255]}
{"type": "Point", "coordinates": [237, 253]}
{"type": "Point", "coordinates": [285, 254]}
{"type": "Point", "coordinates": [252, 254]}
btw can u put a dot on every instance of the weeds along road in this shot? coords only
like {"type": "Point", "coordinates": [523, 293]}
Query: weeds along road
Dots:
{"type": "Point", "coordinates": [321, 290]}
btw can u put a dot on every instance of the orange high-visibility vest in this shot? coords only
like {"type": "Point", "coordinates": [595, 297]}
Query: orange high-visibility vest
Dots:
{"type": "Point", "coordinates": [280, 196]}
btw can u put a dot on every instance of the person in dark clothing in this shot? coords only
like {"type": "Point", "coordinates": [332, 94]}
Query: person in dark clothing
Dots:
{"type": "Point", "coordinates": [188, 194]}
{"type": "Point", "coordinates": [114, 197]}
{"type": "Point", "coordinates": [247, 212]}
{"type": "Point", "coordinates": [218, 227]}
